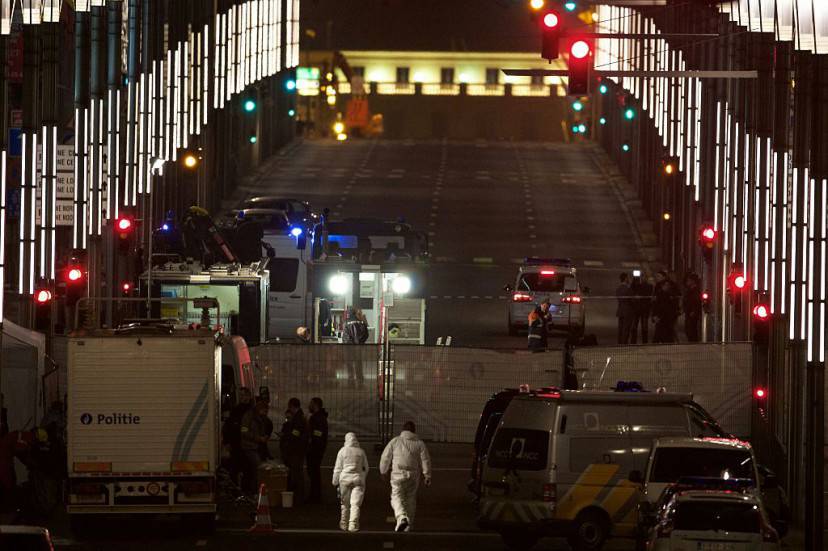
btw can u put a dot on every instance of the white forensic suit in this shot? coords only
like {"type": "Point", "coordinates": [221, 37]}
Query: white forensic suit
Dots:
{"type": "Point", "coordinates": [350, 472]}
{"type": "Point", "coordinates": [406, 456]}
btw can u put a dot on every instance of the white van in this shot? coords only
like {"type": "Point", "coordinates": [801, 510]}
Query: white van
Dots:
{"type": "Point", "coordinates": [288, 299]}
{"type": "Point", "coordinates": [559, 462]}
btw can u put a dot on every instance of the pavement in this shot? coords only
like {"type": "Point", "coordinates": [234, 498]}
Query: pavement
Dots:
{"type": "Point", "coordinates": [485, 206]}
{"type": "Point", "coordinates": [445, 520]}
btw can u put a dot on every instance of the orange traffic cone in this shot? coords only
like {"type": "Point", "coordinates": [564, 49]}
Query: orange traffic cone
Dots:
{"type": "Point", "coordinates": [263, 523]}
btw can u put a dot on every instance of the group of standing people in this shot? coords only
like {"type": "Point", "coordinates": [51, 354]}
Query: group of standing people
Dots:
{"type": "Point", "coordinates": [248, 430]}
{"type": "Point", "coordinates": [641, 300]}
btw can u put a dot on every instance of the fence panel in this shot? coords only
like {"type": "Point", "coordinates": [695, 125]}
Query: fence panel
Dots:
{"type": "Point", "coordinates": [717, 374]}
{"type": "Point", "coordinates": [345, 377]}
{"type": "Point", "coordinates": [443, 389]}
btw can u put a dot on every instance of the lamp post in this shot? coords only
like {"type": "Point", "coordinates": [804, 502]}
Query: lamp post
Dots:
{"type": "Point", "coordinates": [156, 170]}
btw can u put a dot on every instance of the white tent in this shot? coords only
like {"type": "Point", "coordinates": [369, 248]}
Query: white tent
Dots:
{"type": "Point", "coordinates": [22, 375]}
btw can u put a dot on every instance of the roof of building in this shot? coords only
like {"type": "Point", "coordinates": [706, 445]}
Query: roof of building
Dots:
{"type": "Point", "coordinates": [421, 25]}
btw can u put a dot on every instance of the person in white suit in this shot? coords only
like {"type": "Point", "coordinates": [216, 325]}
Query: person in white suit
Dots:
{"type": "Point", "coordinates": [407, 459]}
{"type": "Point", "coordinates": [350, 472]}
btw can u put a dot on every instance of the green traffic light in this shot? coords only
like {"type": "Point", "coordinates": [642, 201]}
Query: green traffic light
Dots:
{"type": "Point", "coordinates": [602, 120]}
{"type": "Point", "coordinates": [570, 6]}
{"type": "Point", "coordinates": [629, 114]}
{"type": "Point", "coordinates": [625, 147]}
{"type": "Point", "coordinates": [249, 105]}
{"type": "Point", "coordinates": [291, 112]}
{"type": "Point", "coordinates": [603, 89]}
{"type": "Point", "coordinates": [575, 129]}
{"type": "Point", "coordinates": [253, 139]}
{"type": "Point", "coordinates": [577, 106]}
{"type": "Point", "coordinates": [582, 128]}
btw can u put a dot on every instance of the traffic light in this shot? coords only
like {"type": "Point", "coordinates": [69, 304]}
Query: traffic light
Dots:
{"type": "Point", "coordinates": [761, 323]}
{"type": "Point", "coordinates": [125, 230]}
{"type": "Point", "coordinates": [736, 284]}
{"type": "Point", "coordinates": [249, 105]}
{"type": "Point", "coordinates": [43, 309]}
{"type": "Point", "coordinates": [570, 5]}
{"type": "Point", "coordinates": [551, 35]}
{"type": "Point", "coordinates": [669, 167]}
{"type": "Point", "coordinates": [603, 88]}
{"type": "Point", "coordinates": [126, 288]}
{"type": "Point", "coordinates": [536, 4]}
{"type": "Point", "coordinates": [74, 277]}
{"type": "Point", "coordinates": [629, 113]}
{"type": "Point", "coordinates": [707, 240]}
{"type": "Point", "coordinates": [580, 59]}
{"type": "Point", "coordinates": [705, 300]}
{"type": "Point", "coordinates": [290, 85]}
{"type": "Point", "coordinates": [252, 139]}
{"type": "Point", "coordinates": [760, 396]}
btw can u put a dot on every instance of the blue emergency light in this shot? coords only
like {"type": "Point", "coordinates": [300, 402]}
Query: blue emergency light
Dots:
{"type": "Point", "coordinates": [295, 232]}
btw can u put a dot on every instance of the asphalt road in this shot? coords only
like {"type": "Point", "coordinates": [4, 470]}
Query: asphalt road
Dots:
{"type": "Point", "coordinates": [445, 520]}
{"type": "Point", "coordinates": [485, 206]}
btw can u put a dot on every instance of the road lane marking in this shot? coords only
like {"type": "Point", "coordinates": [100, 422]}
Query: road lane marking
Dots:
{"type": "Point", "coordinates": [631, 264]}
{"type": "Point", "coordinates": [596, 263]}
{"type": "Point", "coordinates": [482, 260]}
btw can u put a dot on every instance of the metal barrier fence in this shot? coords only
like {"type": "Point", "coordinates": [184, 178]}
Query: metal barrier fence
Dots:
{"type": "Point", "coordinates": [441, 389]}
{"type": "Point", "coordinates": [719, 375]}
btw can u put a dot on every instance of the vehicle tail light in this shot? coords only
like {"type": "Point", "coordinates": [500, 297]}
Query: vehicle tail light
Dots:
{"type": "Point", "coordinates": [572, 299]}
{"type": "Point", "coordinates": [550, 493]}
{"type": "Point", "coordinates": [521, 297]}
{"type": "Point", "coordinates": [664, 530]}
{"type": "Point", "coordinates": [547, 272]}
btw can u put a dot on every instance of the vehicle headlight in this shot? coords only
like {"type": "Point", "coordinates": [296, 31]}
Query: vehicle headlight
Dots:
{"type": "Point", "coordinates": [401, 285]}
{"type": "Point", "coordinates": [338, 284]}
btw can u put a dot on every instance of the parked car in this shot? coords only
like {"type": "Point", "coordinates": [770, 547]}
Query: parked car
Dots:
{"type": "Point", "coordinates": [25, 538]}
{"type": "Point", "coordinates": [713, 520]}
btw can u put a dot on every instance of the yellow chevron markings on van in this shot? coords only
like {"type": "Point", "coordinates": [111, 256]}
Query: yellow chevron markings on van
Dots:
{"type": "Point", "coordinates": [583, 493]}
{"type": "Point", "coordinates": [618, 498]}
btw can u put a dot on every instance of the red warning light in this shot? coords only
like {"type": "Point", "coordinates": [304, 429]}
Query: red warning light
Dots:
{"type": "Point", "coordinates": [550, 20]}
{"type": "Point", "coordinates": [760, 393]}
{"type": "Point", "coordinates": [75, 274]}
{"type": "Point", "coordinates": [579, 49]}
{"type": "Point", "coordinates": [761, 312]}
{"type": "Point", "coordinates": [43, 296]}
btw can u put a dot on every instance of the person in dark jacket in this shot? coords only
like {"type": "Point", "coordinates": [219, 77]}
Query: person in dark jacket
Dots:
{"type": "Point", "coordinates": [665, 308]}
{"type": "Point", "coordinates": [231, 432]}
{"type": "Point", "coordinates": [538, 327]}
{"type": "Point", "coordinates": [356, 328]}
{"type": "Point", "coordinates": [253, 435]}
{"type": "Point", "coordinates": [691, 304]}
{"type": "Point", "coordinates": [293, 446]}
{"type": "Point", "coordinates": [267, 423]}
{"type": "Point", "coordinates": [318, 428]}
{"type": "Point", "coordinates": [642, 291]}
{"type": "Point", "coordinates": [625, 312]}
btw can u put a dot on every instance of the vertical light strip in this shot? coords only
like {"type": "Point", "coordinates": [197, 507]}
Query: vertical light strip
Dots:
{"type": "Point", "coordinates": [794, 248]}
{"type": "Point", "coordinates": [766, 228]}
{"type": "Point", "coordinates": [823, 268]}
{"type": "Point", "coordinates": [809, 334]}
{"type": "Point", "coordinates": [141, 169]}
{"type": "Point", "coordinates": [717, 151]}
{"type": "Point", "coordinates": [44, 204]}
{"type": "Point", "coordinates": [773, 180]}
{"type": "Point", "coordinates": [803, 252]}
{"type": "Point", "coordinates": [783, 271]}
{"type": "Point", "coordinates": [52, 220]}
{"type": "Point", "coordinates": [32, 213]}
{"type": "Point", "coordinates": [21, 260]}
{"type": "Point", "coordinates": [2, 233]}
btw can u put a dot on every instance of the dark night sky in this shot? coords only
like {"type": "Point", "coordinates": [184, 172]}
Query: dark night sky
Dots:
{"type": "Point", "coordinates": [420, 25]}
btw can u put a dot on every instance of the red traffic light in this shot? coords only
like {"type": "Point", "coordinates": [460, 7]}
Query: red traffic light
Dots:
{"type": "Point", "coordinates": [760, 393]}
{"type": "Point", "coordinates": [708, 234]}
{"type": "Point", "coordinates": [739, 281]}
{"type": "Point", "coordinates": [761, 312]}
{"type": "Point", "coordinates": [124, 225]}
{"type": "Point", "coordinates": [705, 296]}
{"type": "Point", "coordinates": [43, 296]}
{"type": "Point", "coordinates": [550, 20]}
{"type": "Point", "coordinates": [126, 287]}
{"type": "Point", "coordinates": [579, 49]}
{"type": "Point", "coordinates": [74, 274]}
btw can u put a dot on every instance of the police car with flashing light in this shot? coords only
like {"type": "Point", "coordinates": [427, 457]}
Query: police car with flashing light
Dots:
{"type": "Point", "coordinates": [547, 278]}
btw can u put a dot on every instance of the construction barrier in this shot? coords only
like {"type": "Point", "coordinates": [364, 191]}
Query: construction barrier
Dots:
{"type": "Point", "coordinates": [718, 375]}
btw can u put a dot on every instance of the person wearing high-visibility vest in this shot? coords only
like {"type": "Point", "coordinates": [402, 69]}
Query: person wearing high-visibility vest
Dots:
{"type": "Point", "coordinates": [538, 330]}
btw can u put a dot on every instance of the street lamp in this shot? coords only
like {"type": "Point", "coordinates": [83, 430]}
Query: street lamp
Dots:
{"type": "Point", "coordinates": [156, 170]}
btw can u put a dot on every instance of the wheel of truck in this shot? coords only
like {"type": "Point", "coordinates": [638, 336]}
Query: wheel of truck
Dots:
{"type": "Point", "coordinates": [589, 531]}
{"type": "Point", "coordinates": [516, 540]}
